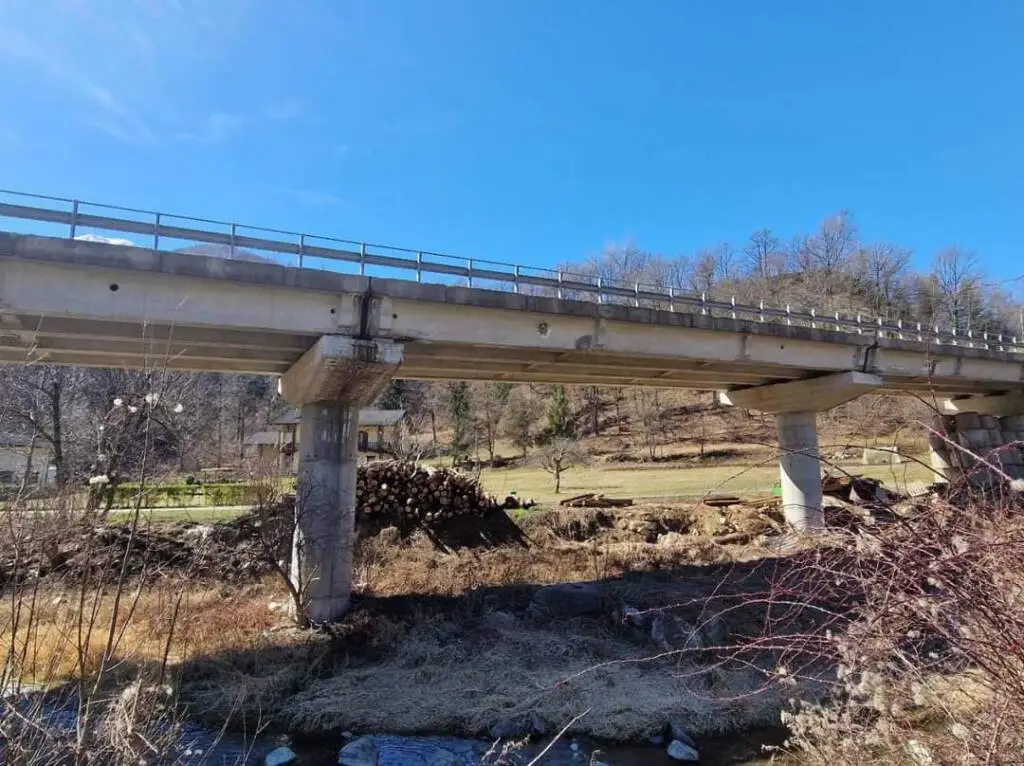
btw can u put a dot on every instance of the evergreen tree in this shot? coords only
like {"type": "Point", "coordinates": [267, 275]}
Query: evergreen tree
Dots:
{"type": "Point", "coordinates": [393, 397]}
{"type": "Point", "coordinates": [458, 404]}
{"type": "Point", "coordinates": [560, 419]}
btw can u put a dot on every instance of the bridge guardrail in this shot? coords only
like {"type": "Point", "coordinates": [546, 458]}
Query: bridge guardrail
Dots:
{"type": "Point", "coordinates": [161, 228]}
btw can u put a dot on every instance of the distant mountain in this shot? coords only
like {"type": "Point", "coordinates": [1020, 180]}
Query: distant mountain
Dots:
{"type": "Point", "coordinates": [226, 252]}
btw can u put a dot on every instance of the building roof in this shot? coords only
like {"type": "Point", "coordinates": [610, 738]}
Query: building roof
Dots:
{"type": "Point", "coordinates": [261, 438]}
{"type": "Point", "coordinates": [367, 417]}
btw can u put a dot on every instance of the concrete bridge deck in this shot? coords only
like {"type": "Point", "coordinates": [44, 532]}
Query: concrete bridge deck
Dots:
{"type": "Point", "coordinates": [91, 303]}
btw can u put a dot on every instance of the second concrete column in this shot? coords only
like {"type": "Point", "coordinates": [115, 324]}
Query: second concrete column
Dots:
{"type": "Point", "coordinates": [800, 469]}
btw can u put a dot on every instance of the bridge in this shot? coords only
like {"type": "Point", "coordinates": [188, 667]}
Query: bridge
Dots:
{"type": "Point", "coordinates": [333, 319]}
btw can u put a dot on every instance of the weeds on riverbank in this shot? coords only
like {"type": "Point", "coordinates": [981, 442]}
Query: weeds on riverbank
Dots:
{"type": "Point", "coordinates": [86, 671]}
{"type": "Point", "coordinates": [930, 656]}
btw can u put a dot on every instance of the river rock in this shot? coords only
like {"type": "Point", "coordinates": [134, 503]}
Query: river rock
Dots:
{"type": "Point", "coordinates": [680, 751]}
{"type": "Point", "coordinates": [672, 633]}
{"type": "Point", "coordinates": [571, 599]}
{"type": "Point", "coordinates": [678, 732]}
{"type": "Point", "coordinates": [279, 757]}
{"type": "Point", "coordinates": [359, 752]}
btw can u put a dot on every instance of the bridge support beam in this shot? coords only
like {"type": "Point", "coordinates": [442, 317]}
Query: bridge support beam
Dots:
{"type": "Point", "coordinates": [796, 405]}
{"type": "Point", "coordinates": [331, 382]}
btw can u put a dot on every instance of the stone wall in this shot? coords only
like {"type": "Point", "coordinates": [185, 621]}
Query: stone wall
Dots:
{"type": "Point", "coordinates": [999, 441]}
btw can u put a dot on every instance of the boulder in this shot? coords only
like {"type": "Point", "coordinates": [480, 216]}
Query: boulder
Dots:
{"type": "Point", "coordinates": [678, 732]}
{"type": "Point", "coordinates": [279, 756]}
{"type": "Point", "coordinates": [573, 599]}
{"type": "Point", "coordinates": [680, 751]}
{"type": "Point", "coordinates": [359, 752]}
{"type": "Point", "coordinates": [672, 633]}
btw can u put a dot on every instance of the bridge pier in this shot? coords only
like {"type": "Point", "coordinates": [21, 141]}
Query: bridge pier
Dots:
{"type": "Point", "coordinates": [796, 405]}
{"type": "Point", "coordinates": [988, 427]}
{"type": "Point", "coordinates": [331, 382]}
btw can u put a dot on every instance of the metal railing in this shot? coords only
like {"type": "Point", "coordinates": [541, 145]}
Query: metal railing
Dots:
{"type": "Point", "coordinates": [162, 230]}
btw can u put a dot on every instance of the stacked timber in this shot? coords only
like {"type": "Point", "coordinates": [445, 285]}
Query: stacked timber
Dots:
{"type": "Point", "coordinates": [407, 494]}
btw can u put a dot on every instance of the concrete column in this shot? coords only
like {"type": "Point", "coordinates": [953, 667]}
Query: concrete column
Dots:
{"type": "Point", "coordinates": [795, 404]}
{"type": "Point", "coordinates": [800, 469]}
{"type": "Point", "coordinates": [331, 382]}
{"type": "Point", "coordinates": [326, 508]}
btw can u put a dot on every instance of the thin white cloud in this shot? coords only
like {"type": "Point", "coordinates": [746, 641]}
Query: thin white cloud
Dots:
{"type": "Point", "coordinates": [215, 128]}
{"type": "Point", "coordinates": [107, 113]}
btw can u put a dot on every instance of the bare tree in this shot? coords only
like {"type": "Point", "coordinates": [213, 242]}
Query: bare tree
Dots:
{"type": "Point", "coordinates": [558, 456]}
{"type": "Point", "coordinates": [521, 414]}
{"type": "Point", "coordinates": [763, 256]}
{"type": "Point", "coordinates": [956, 279]}
{"type": "Point", "coordinates": [882, 267]}
{"type": "Point", "coordinates": [39, 398]}
{"type": "Point", "coordinates": [493, 401]}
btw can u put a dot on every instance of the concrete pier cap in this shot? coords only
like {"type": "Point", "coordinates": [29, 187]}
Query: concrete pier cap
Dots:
{"type": "Point", "coordinates": [795, 405]}
{"type": "Point", "coordinates": [341, 369]}
{"type": "Point", "coordinates": [330, 382]}
{"type": "Point", "coordinates": [997, 405]}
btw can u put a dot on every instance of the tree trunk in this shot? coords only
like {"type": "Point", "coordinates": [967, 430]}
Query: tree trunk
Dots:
{"type": "Point", "coordinates": [28, 464]}
{"type": "Point", "coordinates": [558, 478]}
{"type": "Point", "coordinates": [58, 446]}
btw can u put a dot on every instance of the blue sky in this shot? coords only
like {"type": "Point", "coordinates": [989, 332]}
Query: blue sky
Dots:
{"type": "Point", "coordinates": [534, 131]}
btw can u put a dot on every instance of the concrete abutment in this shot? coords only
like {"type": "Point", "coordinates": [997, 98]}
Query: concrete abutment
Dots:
{"type": "Point", "coordinates": [331, 382]}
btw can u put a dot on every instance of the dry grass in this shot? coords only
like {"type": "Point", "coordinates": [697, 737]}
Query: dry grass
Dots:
{"type": "Point", "coordinates": [203, 619]}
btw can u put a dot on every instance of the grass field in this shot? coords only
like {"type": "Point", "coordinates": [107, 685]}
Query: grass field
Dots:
{"type": "Point", "coordinates": [198, 515]}
{"type": "Point", "coordinates": [639, 481]}
{"type": "Point", "coordinates": [636, 481]}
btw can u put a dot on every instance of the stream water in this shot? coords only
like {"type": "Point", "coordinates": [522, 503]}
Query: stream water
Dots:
{"type": "Point", "coordinates": [199, 746]}
{"type": "Point", "coordinates": [736, 750]}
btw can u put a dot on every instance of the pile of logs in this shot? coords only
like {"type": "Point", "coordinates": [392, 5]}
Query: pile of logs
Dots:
{"type": "Point", "coordinates": [408, 494]}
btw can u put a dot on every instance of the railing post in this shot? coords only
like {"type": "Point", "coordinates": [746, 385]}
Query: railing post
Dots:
{"type": "Point", "coordinates": [156, 233]}
{"type": "Point", "coordinates": [517, 280]}
{"type": "Point", "coordinates": [232, 240]}
{"type": "Point", "coordinates": [860, 330]}
{"type": "Point", "coordinates": [838, 328]}
{"type": "Point", "coordinates": [419, 265]}
{"type": "Point", "coordinates": [302, 248]}
{"type": "Point", "coordinates": [362, 259]}
{"type": "Point", "coordinates": [469, 272]}
{"type": "Point", "coordinates": [703, 304]}
{"type": "Point", "coordinates": [760, 315]}
{"type": "Point", "coordinates": [559, 285]}
{"type": "Point", "coordinates": [732, 300]}
{"type": "Point", "coordinates": [74, 217]}
{"type": "Point", "coordinates": [899, 327]}
{"type": "Point", "coordinates": [920, 335]}
{"type": "Point", "coordinates": [814, 314]}
{"type": "Point", "coordinates": [636, 294]}
{"type": "Point", "coordinates": [671, 299]}
{"type": "Point", "coordinates": [789, 316]}
{"type": "Point", "coordinates": [600, 290]}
